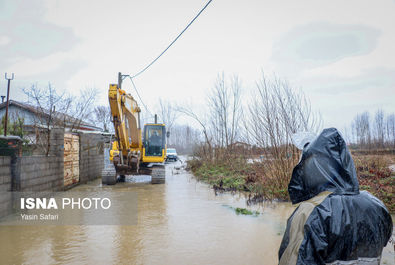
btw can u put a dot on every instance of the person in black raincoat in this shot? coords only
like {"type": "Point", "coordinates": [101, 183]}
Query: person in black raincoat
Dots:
{"type": "Point", "coordinates": [335, 222]}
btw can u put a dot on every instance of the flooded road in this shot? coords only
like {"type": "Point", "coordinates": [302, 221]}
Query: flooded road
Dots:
{"type": "Point", "coordinates": [180, 222]}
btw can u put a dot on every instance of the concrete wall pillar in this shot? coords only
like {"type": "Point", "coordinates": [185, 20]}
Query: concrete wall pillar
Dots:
{"type": "Point", "coordinates": [56, 141]}
{"type": "Point", "coordinates": [91, 156]}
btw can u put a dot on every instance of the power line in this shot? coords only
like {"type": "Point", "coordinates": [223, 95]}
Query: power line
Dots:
{"type": "Point", "coordinates": [179, 35]}
{"type": "Point", "coordinates": [151, 63]}
{"type": "Point", "coordinates": [138, 94]}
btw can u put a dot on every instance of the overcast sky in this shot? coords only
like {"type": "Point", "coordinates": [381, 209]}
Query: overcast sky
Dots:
{"type": "Point", "coordinates": [340, 53]}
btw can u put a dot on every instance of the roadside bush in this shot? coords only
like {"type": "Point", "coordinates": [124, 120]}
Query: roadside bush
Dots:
{"type": "Point", "coordinates": [375, 176]}
{"type": "Point", "coordinates": [267, 179]}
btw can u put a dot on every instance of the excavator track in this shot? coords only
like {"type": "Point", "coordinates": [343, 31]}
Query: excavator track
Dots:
{"type": "Point", "coordinates": [109, 175]}
{"type": "Point", "coordinates": [158, 174]}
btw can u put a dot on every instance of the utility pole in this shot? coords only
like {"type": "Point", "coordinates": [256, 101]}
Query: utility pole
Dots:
{"type": "Point", "coordinates": [121, 77]}
{"type": "Point", "coordinates": [8, 102]}
{"type": "Point", "coordinates": [120, 80]}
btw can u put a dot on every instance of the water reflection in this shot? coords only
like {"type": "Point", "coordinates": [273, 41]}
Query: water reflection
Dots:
{"type": "Point", "coordinates": [180, 222]}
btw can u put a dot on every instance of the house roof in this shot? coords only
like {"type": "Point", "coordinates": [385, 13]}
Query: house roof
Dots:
{"type": "Point", "coordinates": [83, 125]}
{"type": "Point", "coordinates": [240, 143]}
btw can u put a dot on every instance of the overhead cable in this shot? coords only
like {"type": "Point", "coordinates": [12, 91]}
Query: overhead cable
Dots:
{"type": "Point", "coordinates": [179, 35]}
{"type": "Point", "coordinates": [138, 94]}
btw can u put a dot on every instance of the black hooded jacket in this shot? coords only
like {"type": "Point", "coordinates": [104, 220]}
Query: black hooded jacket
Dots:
{"type": "Point", "coordinates": [335, 221]}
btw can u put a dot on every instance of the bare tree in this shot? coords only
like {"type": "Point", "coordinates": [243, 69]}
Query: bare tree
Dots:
{"type": "Point", "coordinates": [225, 110]}
{"type": "Point", "coordinates": [276, 112]}
{"type": "Point", "coordinates": [102, 116]}
{"type": "Point", "coordinates": [379, 128]}
{"type": "Point", "coordinates": [146, 117]}
{"type": "Point", "coordinates": [185, 138]}
{"type": "Point", "coordinates": [48, 107]}
{"type": "Point", "coordinates": [53, 109]}
{"type": "Point", "coordinates": [391, 129]}
{"type": "Point", "coordinates": [81, 108]}
{"type": "Point", "coordinates": [376, 135]}
{"type": "Point", "coordinates": [361, 125]}
{"type": "Point", "coordinates": [207, 148]}
{"type": "Point", "coordinates": [169, 114]}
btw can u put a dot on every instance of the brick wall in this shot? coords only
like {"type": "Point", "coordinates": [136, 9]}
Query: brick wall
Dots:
{"type": "Point", "coordinates": [5, 185]}
{"type": "Point", "coordinates": [91, 156]}
{"type": "Point", "coordinates": [40, 173]}
{"type": "Point", "coordinates": [46, 173]}
{"type": "Point", "coordinates": [32, 173]}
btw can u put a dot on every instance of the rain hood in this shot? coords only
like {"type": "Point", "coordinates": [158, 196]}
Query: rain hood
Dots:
{"type": "Point", "coordinates": [326, 165]}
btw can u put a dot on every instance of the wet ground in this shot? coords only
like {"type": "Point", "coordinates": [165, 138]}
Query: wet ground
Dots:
{"type": "Point", "coordinates": [180, 222]}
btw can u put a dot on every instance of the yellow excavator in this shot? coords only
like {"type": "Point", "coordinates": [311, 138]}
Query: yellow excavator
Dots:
{"type": "Point", "coordinates": [132, 152]}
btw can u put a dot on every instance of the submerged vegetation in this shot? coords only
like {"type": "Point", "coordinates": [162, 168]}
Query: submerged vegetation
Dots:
{"type": "Point", "coordinates": [259, 178]}
{"type": "Point", "coordinates": [261, 182]}
{"type": "Point", "coordinates": [245, 211]}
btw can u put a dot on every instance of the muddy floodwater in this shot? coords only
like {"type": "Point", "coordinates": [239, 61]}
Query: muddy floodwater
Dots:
{"type": "Point", "coordinates": [180, 222]}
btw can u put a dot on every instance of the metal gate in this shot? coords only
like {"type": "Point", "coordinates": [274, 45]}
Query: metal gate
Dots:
{"type": "Point", "coordinates": [71, 159]}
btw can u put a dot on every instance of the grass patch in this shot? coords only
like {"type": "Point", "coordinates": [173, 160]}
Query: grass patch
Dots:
{"type": "Point", "coordinates": [245, 211]}
{"type": "Point", "coordinates": [221, 177]}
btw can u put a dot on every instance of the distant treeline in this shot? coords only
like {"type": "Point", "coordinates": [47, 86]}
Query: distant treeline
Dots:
{"type": "Point", "coordinates": [373, 132]}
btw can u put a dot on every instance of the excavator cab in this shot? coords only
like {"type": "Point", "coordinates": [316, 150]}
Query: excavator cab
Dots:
{"type": "Point", "coordinates": [154, 143]}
